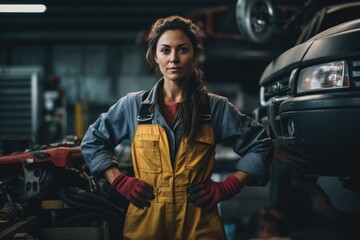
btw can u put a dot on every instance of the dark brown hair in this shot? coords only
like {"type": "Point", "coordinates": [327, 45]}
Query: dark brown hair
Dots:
{"type": "Point", "coordinates": [196, 92]}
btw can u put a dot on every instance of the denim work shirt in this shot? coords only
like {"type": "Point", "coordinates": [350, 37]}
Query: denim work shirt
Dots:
{"type": "Point", "coordinates": [247, 137]}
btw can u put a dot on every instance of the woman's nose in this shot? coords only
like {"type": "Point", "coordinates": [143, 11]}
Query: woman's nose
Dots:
{"type": "Point", "coordinates": [174, 57]}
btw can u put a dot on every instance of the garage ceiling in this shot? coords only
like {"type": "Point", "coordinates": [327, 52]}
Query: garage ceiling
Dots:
{"type": "Point", "coordinates": [93, 20]}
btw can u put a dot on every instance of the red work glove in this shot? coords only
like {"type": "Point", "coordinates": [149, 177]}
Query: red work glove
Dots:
{"type": "Point", "coordinates": [136, 191]}
{"type": "Point", "coordinates": [208, 195]}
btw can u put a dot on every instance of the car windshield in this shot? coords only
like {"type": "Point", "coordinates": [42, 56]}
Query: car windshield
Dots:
{"type": "Point", "coordinates": [328, 18]}
{"type": "Point", "coordinates": [333, 18]}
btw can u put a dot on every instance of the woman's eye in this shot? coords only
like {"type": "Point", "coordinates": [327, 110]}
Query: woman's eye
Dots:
{"type": "Point", "coordinates": [183, 50]}
{"type": "Point", "coordinates": [165, 50]}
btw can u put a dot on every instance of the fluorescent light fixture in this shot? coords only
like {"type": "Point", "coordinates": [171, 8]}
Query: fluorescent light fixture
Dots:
{"type": "Point", "coordinates": [22, 8]}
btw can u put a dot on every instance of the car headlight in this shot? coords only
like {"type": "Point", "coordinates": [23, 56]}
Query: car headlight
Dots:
{"type": "Point", "coordinates": [323, 77]}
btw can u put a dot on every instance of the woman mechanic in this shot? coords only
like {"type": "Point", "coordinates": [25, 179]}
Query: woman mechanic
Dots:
{"type": "Point", "coordinates": [173, 129]}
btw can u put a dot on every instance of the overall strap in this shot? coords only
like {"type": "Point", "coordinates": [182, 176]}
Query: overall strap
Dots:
{"type": "Point", "coordinates": [145, 115]}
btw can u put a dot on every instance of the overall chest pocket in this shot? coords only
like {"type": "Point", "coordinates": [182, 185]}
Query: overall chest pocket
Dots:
{"type": "Point", "coordinates": [147, 150]}
{"type": "Point", "coordinates": [201, 153]}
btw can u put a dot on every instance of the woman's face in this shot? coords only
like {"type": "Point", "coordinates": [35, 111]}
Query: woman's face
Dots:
{"type": "Point", "coordinates": [175, 55]}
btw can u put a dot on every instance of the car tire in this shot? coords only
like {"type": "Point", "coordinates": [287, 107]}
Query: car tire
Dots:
{"type": "Point", "coordinates": [256, 20]}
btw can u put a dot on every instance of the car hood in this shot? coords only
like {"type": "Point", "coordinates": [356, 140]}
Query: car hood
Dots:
{"type": "Point", "coordinates": [329, 44]}
{"type": "Point", "coordinates": [285, 62]}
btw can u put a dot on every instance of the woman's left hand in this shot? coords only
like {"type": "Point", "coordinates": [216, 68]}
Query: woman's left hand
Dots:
{"type": "Point", "coordinates": [208, 195]}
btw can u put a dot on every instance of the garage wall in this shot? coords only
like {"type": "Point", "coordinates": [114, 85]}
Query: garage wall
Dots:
{"type": "Point", "coordinates": [98, 74]}
{"type": "Point", "coordinates": [92, 73]}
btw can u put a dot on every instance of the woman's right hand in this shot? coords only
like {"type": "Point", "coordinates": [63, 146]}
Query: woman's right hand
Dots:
{"type": "Point", "coordinates": [136, 191]}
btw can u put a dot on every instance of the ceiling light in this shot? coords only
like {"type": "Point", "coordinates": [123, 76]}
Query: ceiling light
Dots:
{"type": "Point", "coordinates": [22, 8]}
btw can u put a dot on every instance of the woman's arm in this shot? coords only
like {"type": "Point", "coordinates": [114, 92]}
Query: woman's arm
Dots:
{"type": "Point", "coordinates": [247, 137]}
{"type": "Point", "coordinates": [103, 136]}
{"type": "Point", "coordinates": [243, 177]}
{"type": "Point", "coordinates": [111, 173]}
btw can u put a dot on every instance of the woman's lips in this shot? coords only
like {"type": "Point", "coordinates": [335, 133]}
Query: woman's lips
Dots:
{"type": "Point", "coordinates": [174, 69]}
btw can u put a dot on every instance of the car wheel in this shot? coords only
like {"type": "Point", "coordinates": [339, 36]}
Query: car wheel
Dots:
{"type": "Point", "coordinates": [255, 19]}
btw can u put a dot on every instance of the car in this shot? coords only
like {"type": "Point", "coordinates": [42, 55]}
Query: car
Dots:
{"type": "Point", "coordinates": [310, 98]}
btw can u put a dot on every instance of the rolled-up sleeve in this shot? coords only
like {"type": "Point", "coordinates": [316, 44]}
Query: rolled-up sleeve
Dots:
{"type": "Point", "coordinates": [247, 137]}
{"type": "Point", "coordinates": [103, 136]}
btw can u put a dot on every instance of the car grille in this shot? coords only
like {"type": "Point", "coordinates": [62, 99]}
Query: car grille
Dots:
{"type": "Point", "coordinates": [278, 89]}
{"type": "Point", "coordinates": [355, 72]}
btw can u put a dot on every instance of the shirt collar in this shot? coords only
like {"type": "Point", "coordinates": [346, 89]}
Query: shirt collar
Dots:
{"type": "Point", "coordinates": [151, 98]}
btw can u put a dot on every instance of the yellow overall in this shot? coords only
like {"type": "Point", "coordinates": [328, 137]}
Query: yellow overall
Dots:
{"type": "Point", "coordinates": [170, 215]}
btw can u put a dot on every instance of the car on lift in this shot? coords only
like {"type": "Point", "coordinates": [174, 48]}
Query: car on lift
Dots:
{"type": "Point", "coordinates": [310, 97]}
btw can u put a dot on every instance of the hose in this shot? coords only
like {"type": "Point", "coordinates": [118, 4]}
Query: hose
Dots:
{"type": "Point", "coordinates": [93, 186]}
{"type": "Point", "coordinates": [96, 200]}
{"type": "Point", "coordinates": [110, 215]}
{"type": "Point", "coordinates": [10, 212]}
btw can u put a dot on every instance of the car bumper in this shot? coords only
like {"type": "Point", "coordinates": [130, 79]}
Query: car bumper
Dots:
{"type": "Point", "coordinates": [326, 132]}
{"type": "Point", "coordinates": [323, 119]}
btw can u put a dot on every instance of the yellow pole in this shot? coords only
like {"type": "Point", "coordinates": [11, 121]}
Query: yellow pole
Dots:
{"type": "Point", "coordinates": [80, 119]}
